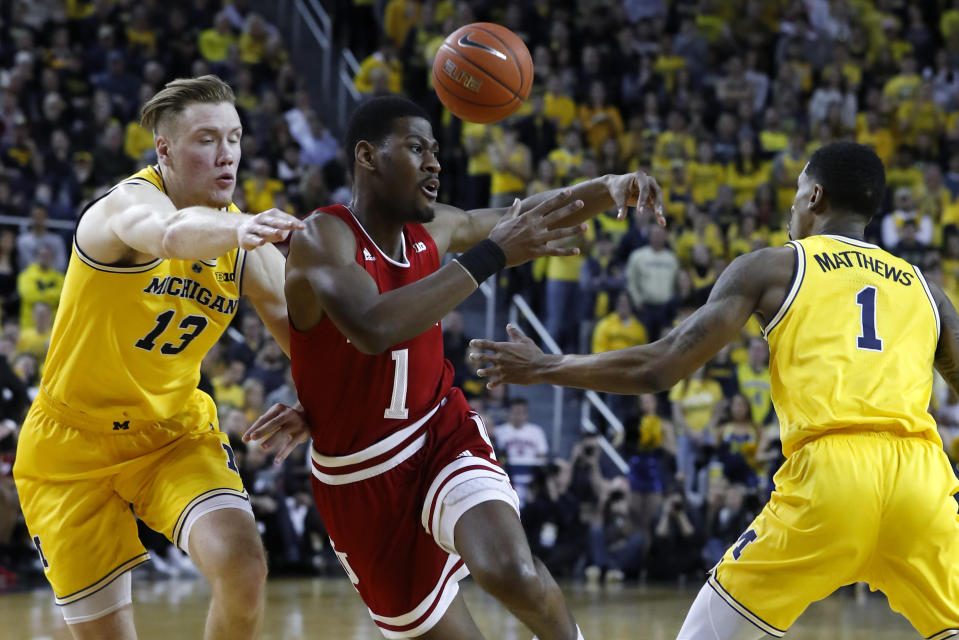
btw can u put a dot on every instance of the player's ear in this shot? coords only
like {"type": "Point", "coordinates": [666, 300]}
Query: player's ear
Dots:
{"type": "Point", "coordinates": [817, 199]}
{"type": "Point", "coordinates": [364, 155]}
{"type": "Point", "coordinates": [163, 149]}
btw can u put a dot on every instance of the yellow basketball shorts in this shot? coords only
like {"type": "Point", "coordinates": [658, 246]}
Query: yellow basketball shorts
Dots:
{"type": "Point", "coordinates": [82, 483]}
{"type": "Point", "coordinates": [852, 507]}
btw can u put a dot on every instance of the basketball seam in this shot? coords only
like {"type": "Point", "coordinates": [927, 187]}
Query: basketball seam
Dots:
{"type": "Point", "coordinates": [488, 74]}
{"type": "Point", "coordinates": [439, 80]}
{"type": "Point", "coordinates": [519, 67]}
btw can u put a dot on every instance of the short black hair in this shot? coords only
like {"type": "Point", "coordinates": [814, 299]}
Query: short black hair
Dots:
{"type": "Point", "coordinates": [852, 177]}
{"type": "Point", "coordinates": [373, 121]}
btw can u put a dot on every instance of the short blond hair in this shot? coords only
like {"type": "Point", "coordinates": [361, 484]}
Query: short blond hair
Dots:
{"type": "Point", "coordinates": [170, 101]}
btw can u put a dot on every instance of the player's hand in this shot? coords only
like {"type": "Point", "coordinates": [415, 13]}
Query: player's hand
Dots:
{"type": "Point", "coordinates": [524, 236]}
{"type": "Point", "coordinates": [516, 362]}
{"type": "Point", "coordinates": [281, 428]}
{"type": "Point", "coordinates": [272, 225]}
{"type": "Point", "coordinates": [637, 190]}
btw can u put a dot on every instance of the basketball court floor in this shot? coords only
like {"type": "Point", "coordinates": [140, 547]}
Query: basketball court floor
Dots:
{"type": "Point", "coordinates": [329, 608]}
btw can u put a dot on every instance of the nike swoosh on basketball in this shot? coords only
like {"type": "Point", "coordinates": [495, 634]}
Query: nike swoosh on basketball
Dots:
{"type": "Point", "coordinates": [465, 41]}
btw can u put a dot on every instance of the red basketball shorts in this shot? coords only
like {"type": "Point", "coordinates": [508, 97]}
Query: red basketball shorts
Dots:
{"type": "Point", "coordinates": [390, 511]}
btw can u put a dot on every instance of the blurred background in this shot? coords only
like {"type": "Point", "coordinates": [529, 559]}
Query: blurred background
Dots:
{"type": "Point", "coordinates": [722, 101]}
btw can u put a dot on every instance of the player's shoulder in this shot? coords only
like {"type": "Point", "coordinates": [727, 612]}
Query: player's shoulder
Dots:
{"type": "Point", "coordinates": [327, 233]}
{"type": "Point", "coordinates": [769, 264]}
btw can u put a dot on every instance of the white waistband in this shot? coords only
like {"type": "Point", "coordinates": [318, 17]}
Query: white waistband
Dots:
{"type": "Point", "coordinates": [380, 448]}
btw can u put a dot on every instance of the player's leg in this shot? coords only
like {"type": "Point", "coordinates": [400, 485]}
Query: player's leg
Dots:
{"type": "Point", "coordinates": [226, 547]}
{"type": "Point", "coordinates": [711, 618]}
{"type": "Point", "coordinates": [192, 493]}
{"type": "Point", "coordinates": [491, 541]}
{"type": "Point", "coordinates": [87, 550]}
{"type": "Point", "coordinates": [456, 624]}
{"type": "Point", "coordinates": [918, 563]}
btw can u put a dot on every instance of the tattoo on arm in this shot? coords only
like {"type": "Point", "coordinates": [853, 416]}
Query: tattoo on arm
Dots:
{"type": "Point", "coordinates": [692, 336]}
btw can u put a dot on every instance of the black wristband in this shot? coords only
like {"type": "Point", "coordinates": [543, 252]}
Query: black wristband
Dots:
{"type": "Point", "coordinates": [483, 260]}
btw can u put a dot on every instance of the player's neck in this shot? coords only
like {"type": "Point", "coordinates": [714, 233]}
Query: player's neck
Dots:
{"type": "Point", "coordinates": [385, 232]}
{"type": "Point", "coordinates": [841, 226]}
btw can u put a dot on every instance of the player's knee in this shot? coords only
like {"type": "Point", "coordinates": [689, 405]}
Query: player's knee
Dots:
{"type": "Point", "coordinates": [511, 578]}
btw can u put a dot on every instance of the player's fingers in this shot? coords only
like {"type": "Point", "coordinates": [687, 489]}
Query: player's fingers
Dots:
{"type": "Point", "coordinates": [255, 429]}
{"type": "Point", "coordinates": [514, 333]}
{"type": "Point", "coordinates": [514, 208]}
{"type": "Point", "coordinates": [551, 203]}
{"type": "Point", "coordinates": [555, 216]}
{"type": "Point", "coordinates": [288, 448]}
{"type": "Point", "coordinates": [561, 252]}
{"type": "Point", "coordinates": [561, 233]}
{"type": "Point", "coordinates": [657, 196]}
{"type": "Point", "coordinates": [481, 344]}
{"type": "Point", "coordinates": [494, 382]}
{"type": "Point", "coordinates": [283, 220]}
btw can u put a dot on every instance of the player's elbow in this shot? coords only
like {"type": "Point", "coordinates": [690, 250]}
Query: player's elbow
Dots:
{"type": "Point", "coordinates": [371, 343]}
{"type": "Point", "coordinates": [174, 238]}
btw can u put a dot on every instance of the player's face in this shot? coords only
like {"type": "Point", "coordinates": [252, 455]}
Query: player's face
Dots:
{"type": "Point", "coordinates": [413, 176]}
{"type": "Point", "coordinates": [801, 218]}
{"type": "Point", "coordinates": [200, 154]}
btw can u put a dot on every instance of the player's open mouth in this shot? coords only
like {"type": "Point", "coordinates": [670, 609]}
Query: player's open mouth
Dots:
{"type": "Point", "coordinates": [430, 188]}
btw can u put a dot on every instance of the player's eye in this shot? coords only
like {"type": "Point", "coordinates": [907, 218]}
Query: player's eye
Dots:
{"type": "Point", "coordinates": [417, 148]}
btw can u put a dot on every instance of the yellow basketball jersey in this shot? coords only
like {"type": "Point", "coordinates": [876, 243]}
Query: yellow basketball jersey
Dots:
{"type": "Point", "coordinates": [128, 340]}
{"type": "Point", "coordinates": [852, 346]}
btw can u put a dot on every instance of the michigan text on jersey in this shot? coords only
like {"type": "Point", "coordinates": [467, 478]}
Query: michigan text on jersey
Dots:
{"type": "Point", "coordinates": [192, 290]}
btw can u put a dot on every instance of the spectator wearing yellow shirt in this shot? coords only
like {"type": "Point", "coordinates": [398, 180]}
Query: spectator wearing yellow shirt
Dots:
{"type": "Point", "coordinates": [215, 42]}
{"type": "Point", "coordinates": [476, 139]}
{"type": "Point", "coordinates": [512, 168]}
{"type": "Point", "coordinates": [705, 174]}
{"type": "Point", "coordinates": [385, 59]}
{"type": "Point", "coordinates": [39, 282]}
{"type": "Point", "coordinates": [259, 188]}
{"type": "Point", "coordinates": [141, 37]}
{"type": "Point", "coordinates": [620, 329]}
{"type": "Point", "coordinates": [934, 198]}
{"type": "Point", "coordinates": [668, 63]}
{"type": "Point", "coordinates": [697, 405]}
{"type": "Point", "coordinates": [557, 103]}
{"type": "Point", "coordinates": [398, 17]}
{"type": "Point", "coordinates": [255, 39]}
{"type": "Point", "coordinates": [227, 389]}
{"type": "Point", "coordinates": [137, 141]}
{"type": "Point", "coordinates": [903, 172]}
{"type": "Point", "coordinates": [702, 231]}
{"type": "Point", "coordinates": [877, 136]}
{"type": "Point", "coordinates": [676, 142]}
{"type": "Point", "coordinates": [747, 171]}
{"type": "Point", "coordinates": [774, 136]}
{"type": "Point", "coordinates": [36, 339]}
{"type": "Point", "coordinates": [905, 85]}
{"type": "Point", "coordinates": [754, 382]}
{"type": "Point", "coordinates": [920, 115]}
{"type": "Point", "coordinates": [601, 120]}
{"type": "Point", "coordinates": [949, 22]}
{"type": "Point", "coordinates": [786, 168]}
{"type": "Point", "coordinates": [678, 192]}
{"type": "Point", "coordinates": [568, 159]}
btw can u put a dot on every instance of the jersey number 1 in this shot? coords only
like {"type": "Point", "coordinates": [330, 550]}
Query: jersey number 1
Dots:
{"type": "Point", "coordinates": [867, 340]}
{"type": "Point", "coordinates": [398, 410]}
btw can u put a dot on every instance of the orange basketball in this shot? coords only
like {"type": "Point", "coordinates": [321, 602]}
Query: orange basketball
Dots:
{"type": "Point", "coordinates": [483, 72]}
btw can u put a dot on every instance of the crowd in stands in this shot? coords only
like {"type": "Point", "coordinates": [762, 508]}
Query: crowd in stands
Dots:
{"type": "Point", "coordinates": [723, 101]}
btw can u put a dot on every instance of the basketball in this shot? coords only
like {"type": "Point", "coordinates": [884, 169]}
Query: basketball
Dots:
{"type": "Point", "coordinates": [483, 72]}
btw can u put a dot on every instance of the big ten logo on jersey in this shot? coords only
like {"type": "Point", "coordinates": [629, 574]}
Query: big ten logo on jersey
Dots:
{"type": "Point", "coordinates": [419, 247]}
{"type": "Point", "coordinates": [224, 276]}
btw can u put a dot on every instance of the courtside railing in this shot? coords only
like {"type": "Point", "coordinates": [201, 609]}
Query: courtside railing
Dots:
{"type": "Point", "coordinates": [519, 307]}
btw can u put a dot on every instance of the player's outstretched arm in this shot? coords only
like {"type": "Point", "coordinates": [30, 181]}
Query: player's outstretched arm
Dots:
{"type": "Point", "coordinates": [323, 277]}
{"type": "Point", "coordinates": [456, 230]}
{"type": "Point", "coordinates": [738, 293]}
{"type": "Point", "coordinates": [137, 220]}
{"type": "Point", "coordinates": [262, 283]}
{"type": "Point", "coordinates": [947, 351]}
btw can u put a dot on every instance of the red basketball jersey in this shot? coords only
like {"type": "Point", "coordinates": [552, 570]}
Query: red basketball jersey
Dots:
{"type": "Point", "coordinates": [352, 399]}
